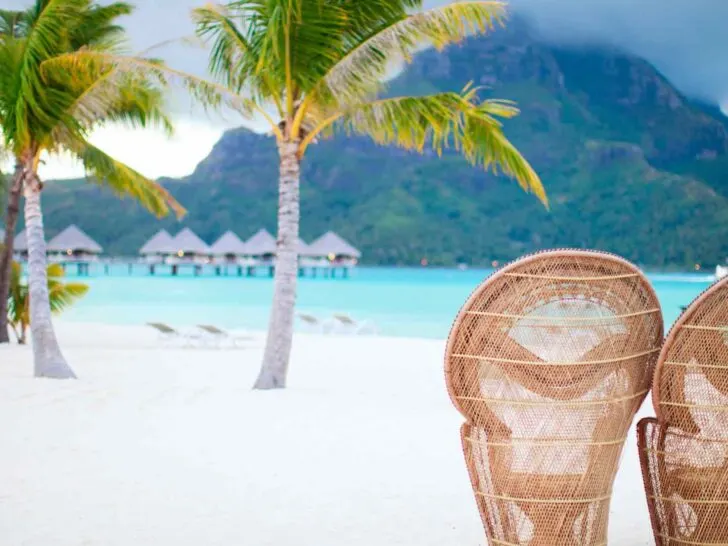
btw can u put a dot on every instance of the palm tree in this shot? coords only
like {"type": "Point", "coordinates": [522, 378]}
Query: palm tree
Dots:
{"type": "Point", "coordinates": [11, 25]}
{"type": "Point", "coordinates": [52, 109]}
{"type": "Point", "coordinates": [310, 67]}
{"type": "Point", "coordinates": [61, 295]}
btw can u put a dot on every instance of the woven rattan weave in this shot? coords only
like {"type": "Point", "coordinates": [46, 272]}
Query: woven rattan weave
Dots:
{"type": "Point", "coordinates": [684, 452]}
{"type": "Point", "coordinates": [548, 361]}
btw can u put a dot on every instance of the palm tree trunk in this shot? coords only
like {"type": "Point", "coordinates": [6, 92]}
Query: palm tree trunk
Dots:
{"type": "Point", "coordinates": [6, 259]}
{"type": "Point", "coordinates": [280, 328]}
{"type": "Point", "coordinates": [47, 356]}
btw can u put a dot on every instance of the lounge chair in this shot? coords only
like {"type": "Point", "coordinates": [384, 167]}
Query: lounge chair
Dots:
{"type": "Point", "coordinates": [309, 320]}
{"type": "Point", "coordinates": [684, 451]}
{"type": "Point", "coordinates": [315, 324]}
{"type": "Point", "coordinates": [548, 361]}
{"type": "Point", "coordinates": [170, 335]}
{"type": "Point", "coordinates": [219, 337]}
{"type": "Point", "coordinates": [349, 325]}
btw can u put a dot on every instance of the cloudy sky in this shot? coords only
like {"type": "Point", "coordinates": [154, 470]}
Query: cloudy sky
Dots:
{"type": "Point", "coordinates": [686, 40]}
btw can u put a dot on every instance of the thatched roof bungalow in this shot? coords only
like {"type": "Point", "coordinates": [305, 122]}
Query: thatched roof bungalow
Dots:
{"type": "Point", "coordinates": [160, 244]}
{"type": "Point", "coordinates": [187, 244]}
{"type": "Point", "coordinates": [334, 248]}
{"type": "Point", "coordinates": [261, 245]}
{"type": "Point", "coordinates": [158, 247]}
{"type": "Point", "coordinates": [229, 248]}
{"type": "Point", "coordinates": [20, 243]}
{"type": "Point", "coordinates": [303, 249]}
{"type": "Point", "coordinates": [73, 242]}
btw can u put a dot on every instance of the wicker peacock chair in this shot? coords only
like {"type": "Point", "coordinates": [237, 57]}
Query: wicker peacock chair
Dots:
{"type": "Point", "coordinates": [548, 361]}
{"type": "Point", "coordinates": [684, 452]}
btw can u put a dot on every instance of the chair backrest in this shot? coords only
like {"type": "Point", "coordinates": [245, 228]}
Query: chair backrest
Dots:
{"type": "Point", "coordinates": [345, 319]}
{"type": "Point", "coordinates": [163, 328]}
{"type": "Point", "coordinates": [684, 451]}
{"type": "Point", "coordinates": [210, 329]}
{"type": "Point", "coordinates": [690, 390]}
{"type": "Point", "coordinates": [308, 318]}
{"type": "Point", "coordinates": [549, 360]}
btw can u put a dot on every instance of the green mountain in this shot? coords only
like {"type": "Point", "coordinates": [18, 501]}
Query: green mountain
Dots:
{"type": "Point", "coordinates": [630, 165]}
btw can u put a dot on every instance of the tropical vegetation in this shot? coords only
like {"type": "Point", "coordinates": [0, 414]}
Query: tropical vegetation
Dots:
{"type": "Point", "coordinates": [48, 107]}
{"type": "Point", "coordinates": [311, 67]}
{"type": "Point", "coordinates": [61, 295]}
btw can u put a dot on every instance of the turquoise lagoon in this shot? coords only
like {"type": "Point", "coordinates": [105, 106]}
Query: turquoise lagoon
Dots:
{"type": "Point", "coordinates": [416, 302]}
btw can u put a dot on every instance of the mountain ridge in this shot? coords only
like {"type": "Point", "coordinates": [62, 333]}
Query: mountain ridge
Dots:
{"type": "Point", "coordinates": [630, 164]}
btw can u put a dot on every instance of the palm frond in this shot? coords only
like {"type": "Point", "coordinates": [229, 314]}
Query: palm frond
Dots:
{"type": "Point", "coordinates": [315, 38]}
{"type": "Point", "coordinates": [209, 94]}
{"type": "Point", "coordinates": [232, 58]}
{"type": "Point", "coordinates": [447, 120]}
{"type": "Point", "coordinates": [96, 27]}
{"type": "Point", "coordinates": [104, 95]}
{"type": "Point", "coordinates": [360, 72]}
{"type": "Point", "coordinates": [63, 295]}
{"type": "Point", "coordinates": [39, 106]}
{"type": "Point", "coordinates": [54, 271]}
{"type": "Point", "coordinates": [17, 295]}
{"type": "Point", "coordinates": [13, 24]}
{"type": "Point", "coordinates": [104, 170]}
{"type": "Point", "coordinates": [275, 50]}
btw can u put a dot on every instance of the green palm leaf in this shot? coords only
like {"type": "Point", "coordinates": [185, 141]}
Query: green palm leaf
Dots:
{"type": "Point", "coordinates": [445, 120]}
{"type": "Point", "coordinates": [150, 70]}
{"type": "Point", "coordinates": [18, 296]}
{"type": "Point", "coordinates": [360, 71]}
{"type": "Point", "coordinates": [62, 296]}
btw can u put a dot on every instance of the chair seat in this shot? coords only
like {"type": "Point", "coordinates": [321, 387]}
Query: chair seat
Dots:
{"type": "Point", "coordinates": [697, 503]}
{"type": "Point", "coordinates": [558, 487]}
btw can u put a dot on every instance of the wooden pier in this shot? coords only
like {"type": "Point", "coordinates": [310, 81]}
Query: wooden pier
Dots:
{"type": "Point", "coordinates": [186, 254]}
{"type": "Point", "coordinates": [138, 267]}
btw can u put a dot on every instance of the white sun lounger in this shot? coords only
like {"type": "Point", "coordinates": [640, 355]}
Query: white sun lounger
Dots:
{"type": "Point", "coordinates": [348, 325]}
{"type": "Point", "coordinates": [218, 337]}
{"type": "Point", "coordinates": [170, 335]}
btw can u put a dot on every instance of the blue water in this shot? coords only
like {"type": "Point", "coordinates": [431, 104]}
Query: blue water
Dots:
{"type": "Point", "coordinates": [401, 302]}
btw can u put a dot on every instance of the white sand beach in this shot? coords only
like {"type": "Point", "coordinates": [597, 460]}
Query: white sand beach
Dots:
{"type": "Point", "coordinates": [157, 446]}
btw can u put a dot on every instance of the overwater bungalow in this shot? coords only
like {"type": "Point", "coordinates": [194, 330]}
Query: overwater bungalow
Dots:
{"type": "Point", "coordinates": [262, 246]}
{"type": "Point", "coordinates": [228, 249]}
{"type": "Point", "coordinates": [189, 248]}
{"type": "Point", "coordinates": [303, 248]}
{"type": "Point", "coordinates": [231, 250]}
{"type": "Point", "coordinates": [73, 245]}
{"type": "Point", "coordinates": [306, 258]}
{"type": "Point", "coordinates": [335, 249]}
{"type": "Point", "coordinates": [20, 246]}
{"type": "Point", "coordinates": [158, 247]}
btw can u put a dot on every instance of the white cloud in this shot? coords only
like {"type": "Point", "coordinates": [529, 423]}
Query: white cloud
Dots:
{"type": "Point", "coordinates": [151, 152]}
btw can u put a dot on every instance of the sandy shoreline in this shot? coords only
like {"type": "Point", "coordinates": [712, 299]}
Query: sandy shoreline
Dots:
{"type": "Point", "coordinates": [158, 446]}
